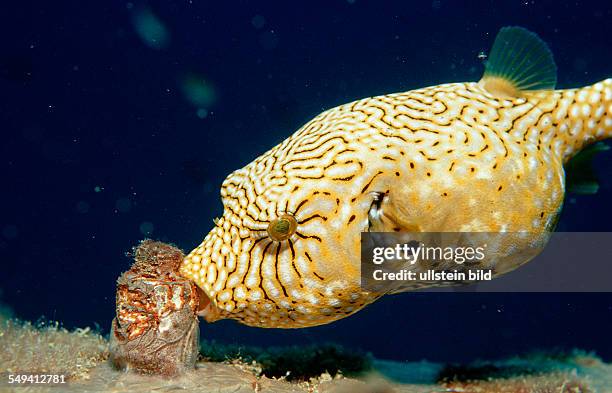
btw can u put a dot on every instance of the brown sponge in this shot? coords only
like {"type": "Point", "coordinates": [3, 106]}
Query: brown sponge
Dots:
{"type": "Point", "coordinates": [156, 328]}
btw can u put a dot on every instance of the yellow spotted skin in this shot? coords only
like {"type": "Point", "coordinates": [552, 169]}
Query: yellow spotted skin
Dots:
{"type": "Point", "coordinates": [452, 157]}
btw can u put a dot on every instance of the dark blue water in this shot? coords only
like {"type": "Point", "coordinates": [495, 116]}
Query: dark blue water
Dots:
{"type": "Point", "coordinates": [101, 146]}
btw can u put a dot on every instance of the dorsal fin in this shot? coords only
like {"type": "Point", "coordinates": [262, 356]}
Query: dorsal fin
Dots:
{"type": "Point", "coordinates": [519, 61]}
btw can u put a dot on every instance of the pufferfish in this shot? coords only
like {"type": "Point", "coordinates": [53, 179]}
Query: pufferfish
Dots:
{"type": "Point", "coordinates": [482, 156]}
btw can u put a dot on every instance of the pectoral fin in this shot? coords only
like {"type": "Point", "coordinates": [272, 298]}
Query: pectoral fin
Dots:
{"type": "Point", "coordinates": [580, 178]}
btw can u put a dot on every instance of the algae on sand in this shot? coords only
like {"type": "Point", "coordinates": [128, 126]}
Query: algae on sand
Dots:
{"type": "Point", "coordinates": [294, 363]}
{"type": "Point", "coordinates": [46, 348]}
{"type": "Point", "coordinates": [82, 354]}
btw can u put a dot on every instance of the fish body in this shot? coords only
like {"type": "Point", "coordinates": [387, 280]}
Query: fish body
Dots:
{"type": "Point", "coordinates": [461, 157]}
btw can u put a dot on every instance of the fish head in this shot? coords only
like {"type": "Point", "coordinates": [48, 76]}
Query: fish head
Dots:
{"type": "Point", "coordinates": [288, 238]}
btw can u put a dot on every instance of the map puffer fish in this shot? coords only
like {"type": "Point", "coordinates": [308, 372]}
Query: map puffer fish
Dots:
{"type": "Point", "coordinates": [482, 156]}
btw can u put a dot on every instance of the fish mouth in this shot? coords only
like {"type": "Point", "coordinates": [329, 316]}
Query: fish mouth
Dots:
{"type": "Point", "coordinates": [206, 308]}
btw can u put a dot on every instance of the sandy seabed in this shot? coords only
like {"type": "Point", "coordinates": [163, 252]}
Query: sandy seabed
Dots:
{"type": "Point", "coordinates": [82, 355]}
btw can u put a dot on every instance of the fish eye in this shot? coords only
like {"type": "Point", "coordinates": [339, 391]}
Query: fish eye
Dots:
{"type": "Point", "coordinates": [282, 228]}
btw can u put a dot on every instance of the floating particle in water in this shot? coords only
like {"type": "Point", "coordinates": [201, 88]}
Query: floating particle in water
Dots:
{"type": "Point", "coordinates": [124, 205]}
{"type": "Point", "coordinates": [202, 113]}
{"type": "Point", "coordinates": [482, 55]}
{"type": "Point", "coordinates": [146, 228]}
{"type": "Point", "coordinates": [150, 29]}
{"type": "Point", "coordinates": [198, 90]}
{"type": "Point", "coordinates": [436, 4]}
{"type": "Point", "coordinates": [98, 189]}
{"type": "Point", "coordinates": [82, 207]}
{"type": "Point", "coordinates": [258, 21]}
{"type": "Point", "coordinates": [10, 231]}
{"type": "Point", "coordinates": [350, 1]}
